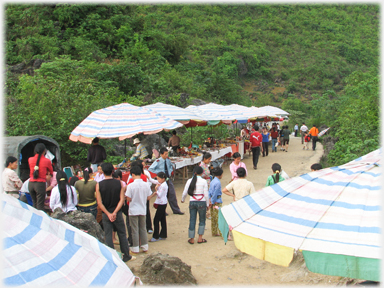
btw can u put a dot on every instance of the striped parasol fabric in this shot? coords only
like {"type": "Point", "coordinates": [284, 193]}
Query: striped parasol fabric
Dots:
{"type": "Point", "coordinates": [261, 113]}
{"type": "Point", "coordinates": [275, 110]}
{"type": "Point", "coordinates": [41, 251]}
{"type": "Point", "coordinates": [211, 117]}
{"type": "Point", "coordinates": [216, 112]}
{"type": "Point", "coordinates": [173, 112]}
{"type": "Point", "coordinates": [121, 121]}
{"type": "Point", "coordinates": [223, 111]}
{"type": "Point", "coordinates": [242, 110]}
{"type": "Point", "coordinates": [323, 132]}
{"type": "Point", "coordinates": [332, 215]}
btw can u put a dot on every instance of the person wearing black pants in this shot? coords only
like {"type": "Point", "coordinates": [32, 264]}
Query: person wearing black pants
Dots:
{"type": "Point", "coordinates": [148, 219]}
{"type": "Point", "coordinates": [255, 140]}
{"type": "Point", "coordinates": [265, 140]}
{"type": "Point", "coordinates": [314, 140]}
{"type": "Point", "coordinates": [160, 218]}
{"type": "Point", "coordinates": [160, 205]}
{"type": "Point", "coordinates": [255, 155]}
{"type": "Point", "coordinates": [163, 164]}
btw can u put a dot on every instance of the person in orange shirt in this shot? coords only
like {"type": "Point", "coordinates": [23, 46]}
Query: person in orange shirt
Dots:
{"type": "Point", "coordinates": [314, 132]}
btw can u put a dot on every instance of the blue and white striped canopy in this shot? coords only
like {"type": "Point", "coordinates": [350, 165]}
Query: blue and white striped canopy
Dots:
{"type": "Point", "coordinates": [331, 215]}
{"type": "Point", "coordinates": [173, 112]}
{"type": "Point", "coordinates": [258, 113]}
{"type": "Point", "coordinates": [212, 111]}
{"type": "Point", "coordinates": [333, 210]}
{"type": "Point", "coordinates": [275, 110]}
{"type": "Point", "coordinates": [121, 121]}
{"type": "Point", "coordinates": [41, 251]}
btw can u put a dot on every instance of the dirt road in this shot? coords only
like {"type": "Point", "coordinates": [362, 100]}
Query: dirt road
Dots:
{"type": "Point", "coordinates": [214, 263]}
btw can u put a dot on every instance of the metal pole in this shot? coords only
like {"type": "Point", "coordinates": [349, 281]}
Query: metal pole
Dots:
{"type": "Point", "coordinates": [125, 148]}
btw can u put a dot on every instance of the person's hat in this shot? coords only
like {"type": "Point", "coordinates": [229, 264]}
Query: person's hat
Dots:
{"type": "Point", "coordinates": [136, 141]}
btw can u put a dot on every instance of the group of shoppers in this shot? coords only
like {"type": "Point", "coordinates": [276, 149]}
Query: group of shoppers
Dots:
{"type": "Point", "coordinates": [102, 190]}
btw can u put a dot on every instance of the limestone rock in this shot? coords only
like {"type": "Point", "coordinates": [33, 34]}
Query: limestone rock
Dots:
{"type": "Point", "coordinates": [160, 269]}
{"type": "Point", "coordinates": [81, 220]}
{"type": "Point", "coordinates": [198, 102]}
{"type": "Point", "coordinates": [17, 68]}
{"type": "Point", "coordinates": [37, 63]}
{"type": "Point", "coordinates": [153, 141]}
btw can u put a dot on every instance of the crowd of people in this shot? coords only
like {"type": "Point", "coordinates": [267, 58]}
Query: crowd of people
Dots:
{"type": "Point", "coordinates": [100, 190]}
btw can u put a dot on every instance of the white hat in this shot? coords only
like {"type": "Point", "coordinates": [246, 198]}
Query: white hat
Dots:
{"type": "Point", "coordinates": [136, 141]}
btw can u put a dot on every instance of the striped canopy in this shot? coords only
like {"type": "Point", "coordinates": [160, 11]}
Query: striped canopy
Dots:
{"type": "Point", "coordinates": [121, 121]}
{"type": "Point", "coordinates": [41, 251]}
{"type": "Point", "coordinates": [241, 110]}
{"type": "Point", "coordinates": [261, 113]}
{"type": "Point", "coordinates": [323, 132]}
{"type": "Point", "coordinates": [216, 112]}
{"type": "Point", "coordinates": [332, 215]}
{"type": "Point", "coordinates": [275, 110]}
{"type": "Point", "coordinates": [175, 113]}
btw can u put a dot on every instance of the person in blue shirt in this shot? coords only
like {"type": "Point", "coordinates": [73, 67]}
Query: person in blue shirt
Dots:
{"type": "Point", "coordinates": [163, 164]}
{"type": "Point", "coordinates": [265, 142]}
{"type": "Point", "coordinates": [215, 199]}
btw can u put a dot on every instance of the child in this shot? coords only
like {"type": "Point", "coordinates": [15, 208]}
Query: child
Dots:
{"type": "Point", "coordinates": [316, 167]}
{"type": "Point", "coordinates": [206, 174]}
{"type": "Point", "coordinates": [99, 175]}
{"type": "Point", "coordinates": [276, 177]}
{"type": "Point", "coordinates": [160, 206]}
{"type": "Point", "coordinates": [215, 199]}
{"type": "Point", "coordinates": [236, 164]}
{"type": "Point", "coordinates": [137, 194]}
{"type": "Point", "coordinates": [239, 188]}
{"type": "Point", "coordinates": [307, 138]}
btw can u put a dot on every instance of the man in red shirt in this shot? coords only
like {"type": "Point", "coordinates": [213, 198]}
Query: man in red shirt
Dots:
{"type": "Point", "coordinates": [255, 140]}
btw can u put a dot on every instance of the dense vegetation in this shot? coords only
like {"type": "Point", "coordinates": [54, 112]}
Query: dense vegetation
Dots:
{"type": "Point", "coordinates": [318, 62]}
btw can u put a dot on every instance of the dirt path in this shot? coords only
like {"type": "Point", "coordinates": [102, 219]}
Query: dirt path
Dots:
{"type": "Point", "coordinates": [215, 263]}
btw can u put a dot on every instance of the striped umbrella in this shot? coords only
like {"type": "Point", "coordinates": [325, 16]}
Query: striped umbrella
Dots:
{"type": "Point", "coordinates": [217, 112]}
{"type": "Point", "coordinates": [173, 112]}
{"type": "Point", "coordinates": [261, 113]}
{"type": "Point", "coordinates": [121, 121]}
{"type": "Point", "coordinates": [210, 116]}
{"type": "Point", "coordinates": [223, 111]}
{"type": "Point", "coordinates": [41, 251]}
{"type": "Point", "coordinates": [323, 132]}
{"type": "Point", "coordinates": [332, 215]}
{"type": "Point", "coordinates": [275, 110]}
{"type": "Point", "coordinates": [241, 110]}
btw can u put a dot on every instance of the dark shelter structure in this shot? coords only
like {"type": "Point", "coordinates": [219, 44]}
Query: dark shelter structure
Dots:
{"type": "Point", "coordinates": [23, 147]}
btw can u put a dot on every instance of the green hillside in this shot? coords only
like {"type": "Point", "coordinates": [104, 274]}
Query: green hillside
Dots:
{"type": "Point", "coordinates": [319, 62]}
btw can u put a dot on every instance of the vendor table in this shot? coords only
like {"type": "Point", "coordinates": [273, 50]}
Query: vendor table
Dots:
{"type": "Point", "coordinates": [183, 162]}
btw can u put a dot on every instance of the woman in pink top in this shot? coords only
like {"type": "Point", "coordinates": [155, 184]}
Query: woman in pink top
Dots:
{"type": "Point", "coordinates": [235, 165]}
{"type": "Point", "coordinates": [205, 165]}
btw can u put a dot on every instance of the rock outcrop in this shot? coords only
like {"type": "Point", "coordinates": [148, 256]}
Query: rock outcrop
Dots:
{"type": "Point", "coordinates": [81, 220]}
{"type": "Point", "coordinates": [159, 269]}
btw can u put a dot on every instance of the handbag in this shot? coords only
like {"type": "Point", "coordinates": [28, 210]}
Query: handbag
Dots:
{"type": "Point", "coordinates": [155, 205]}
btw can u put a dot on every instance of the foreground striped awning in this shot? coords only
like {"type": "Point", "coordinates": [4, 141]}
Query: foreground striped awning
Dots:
{"type": "Point", "coordinates": [41, 251]}
{"type": "Point", "coordinates": [332, 215]}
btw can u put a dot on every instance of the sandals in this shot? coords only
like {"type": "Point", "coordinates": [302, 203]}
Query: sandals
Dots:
{"type": "Point", "coordinates": [190, 241]}
{"type": "Point", "coordinates": [202, 241]}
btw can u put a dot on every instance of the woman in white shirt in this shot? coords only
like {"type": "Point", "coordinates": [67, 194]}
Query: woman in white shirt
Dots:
{"type": "Point", "coordinates": [63, 195]}
{"type": "Point", "coordinates": [197, 189]}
